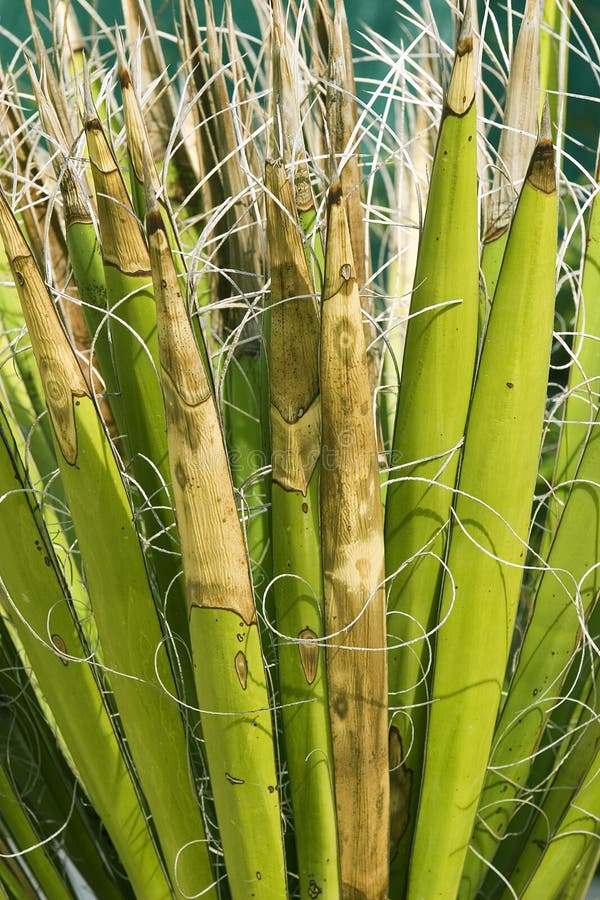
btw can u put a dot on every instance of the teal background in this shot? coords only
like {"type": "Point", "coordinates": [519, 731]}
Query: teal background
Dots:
{"type": "Point", "coordinates": [383, 16]}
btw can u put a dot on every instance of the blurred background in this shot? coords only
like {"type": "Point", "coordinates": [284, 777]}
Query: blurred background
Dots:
{"type": "Point", "coordinates": [385, 17]}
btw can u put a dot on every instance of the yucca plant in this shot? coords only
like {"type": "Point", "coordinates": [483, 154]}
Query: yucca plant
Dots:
{"type": "Point", "coordinates": [299, 457]}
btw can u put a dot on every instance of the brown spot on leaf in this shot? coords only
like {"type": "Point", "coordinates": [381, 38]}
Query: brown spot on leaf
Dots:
{"type": "Point", "coordinates": [541, 172]}
{"type": "Point", "coordinates": [309, 654]}
{"type": "Point", "coordinates": [154, 223]}
{"type": "Point", "coordinates": [180, 476]}
{"type": "Point", "coordinates": [241, 668]}
{"type": "Point", "coordinates": [340, 706]}
{"type": "Point", "coordinates": [60, 646]}
{"type": "Point", "coordinates": [335, 194]}
{"type": "Point", "coordinates": [401, 779]}
{"type": "Point", "coordinates": [362, 567]}
{"type": "Point", "coordinates": [124, 78]}
{"type": "Point", "coordinates": [464, 46]}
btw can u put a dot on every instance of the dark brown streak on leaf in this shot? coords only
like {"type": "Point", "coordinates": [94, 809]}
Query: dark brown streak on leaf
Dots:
{"type": "Point", "coordinates": [541, 174]}
{"type": "Point", "coordinates": [401, 780]}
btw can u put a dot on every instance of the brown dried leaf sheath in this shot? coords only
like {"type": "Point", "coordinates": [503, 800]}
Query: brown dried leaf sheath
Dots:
{"type": "Point", "coordinates": [295, 408]}
{"type": "Point", "coordinates": [214, 554]}
{"type": "Point", "coordinates": [60, 372]}
{"type": "Point", "coordinates": [342, 117]}
{"type": "Point", "coordinates": [123, 244]}
{"type": "Point", "coordinates": [353, 564]}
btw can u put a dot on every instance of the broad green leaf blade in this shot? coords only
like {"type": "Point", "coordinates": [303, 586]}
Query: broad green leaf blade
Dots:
{"type": "Point", "coordinates": [567, 825]}
{"type": "Point", "coordinates": [230, 673]}
{"type": "Point", "coordinates": [13, 880]}
{"type": "Point", "coordinates": [567, 590]}
{"type": "Point", "coordinates": [245, 414]}
{"type": "Point", "coordinates": [582, 876]}
{"type": "Point", "coordinates": [134, 651]}
{"type": "Point", "coordinates": [430, 423]}
{"type": "Point", "coordinates": [353, 567]}
{"type": "Point", "coordinates": [411, 190]}
{"type": "Point", "coordinates": [47, 631]}
{"type": "Point", "coordinates": [26, 840]}
{"type": "Point", "coordinates": [517, 140]}
{"type": "Point", "coordinates": [15, 398]}
{"type": "Point", "coordinates": [43, 781]}
{"type": "Point", "coordinates": [489, 536]}
{"type": "Point", "coordinates": [23, 386]}
{"type": "Point", "coordinates": [584, 374]}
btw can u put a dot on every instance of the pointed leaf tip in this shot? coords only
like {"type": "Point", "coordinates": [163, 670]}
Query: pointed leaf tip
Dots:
{"type": "Point", "coordinates": [533, 10]}
{"type": "Point", "coordinates": [277, 19]}
{"type": "Point", "coordinates": [122, 67]}
{"type": "Point", "coordinates": [90, 113]}
{"type": "Point", "coordinates": [546, 123]}
{"type": "Point", "coordinates": [541, 173]}
{"type": "Point", "coordinates": [465, 37]}
{"type": "Point", "coordinates": [461, 91]}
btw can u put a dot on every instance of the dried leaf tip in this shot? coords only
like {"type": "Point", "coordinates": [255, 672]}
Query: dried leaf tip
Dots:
{"type": "Point", "coordinates": [532, 11]}
{"type": "Point", "coordinates": [465, 37]}
{"type": "Point", "coordinates": [277, 20]}
{"type": "Point", "coordinates": [48, 116]}
{"type": "Point", "coordinates": [211, 26]}
{"type": "Point", "coordinates": [122, 67]}
{"type": "Point", "coordinates": [35, 81]}
{"type": "Point", "coordinates": [339, 12]}
{"type": "Point", "coordinates": [323, 25]}
{"type": "Point", "coordinates": [38, 43]}
{"type": "Point", "coordinates": [91, 120]}
{"type": "Point", "coordinates": [541, 174]}
{"type": "Point", "coordinates": [461, 92]}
